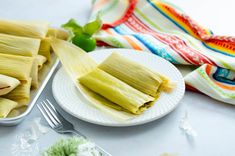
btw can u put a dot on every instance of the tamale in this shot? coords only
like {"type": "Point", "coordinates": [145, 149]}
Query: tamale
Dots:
{"type": "Point", "coordinates": [16, 112]}
{"type": "Point", "coordinates": [116, 91]}
{"type": "Point", "coordinates": [13, 113]}
{"type": "Point", "coordinates": [104, 105]}
{"type": "Point", "coordinates": [20, 94]}
{"type": "Point", "coordinates": [58, 33]}
{"type": "Point", "coordinates": [34, 73]}
{"type": "Point", "coordinates": [167, 86]}
{"type": "Point", "coordinates": [16, 66]}
{"type": "Point", "coordinates": [6, 106]}
{"type": "Point", "coordinates": [45, 48]}
{"type": "Point", "coordinates": [41, 60]}
{"type": "Point", "coordinates": [24, 28]}
{"type": "Point", "coordinates": [7, 84]}
{"type": "Point", "coordinates": [134, 74]}
{"type": "Point", "coordinates": [16, 45]}
{"type": "Point", "coordinates": [77, 63]}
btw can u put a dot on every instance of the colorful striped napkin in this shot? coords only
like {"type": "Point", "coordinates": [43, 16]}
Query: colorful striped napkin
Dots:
{"type": "Point", "coordinates": [163, 29]}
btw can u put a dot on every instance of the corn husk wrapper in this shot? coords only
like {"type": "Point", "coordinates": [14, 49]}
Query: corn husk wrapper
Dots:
{"type": "Point", "coordinates": [24, 28]}
{"type": "Point", "coordinates": [78, 63]}
{"type": "Point", "coordinates": [16, 66]}
{"type": "Point", "coordinates": [16, 112]}
{"type": "Point", "coordinates": [45, 48]}
{"type": "Point", "coordinates": [116, 91]}
{"type": "Point", "coordinates": [167, 85]}
{"type": "Point", "coordinates": [71, 55]}
{"type": "Point", "coordinates": [41, 60]}
{"type": "Point", "coordinates": [137, 75]}
{"type": "Point", "coordinates": [16, 45]}
{"type": "Point", "coordinates": [6, 106]}
{"type": "Point", "coordinates": [34, 73]}
{"type": "Point", "coordinates": [7, 84]}
{"type": "Point", "coordinates": [134, 74]}
{"type": "Point", "coordinates": [58, 33]}
{"type": "Point", "coordinates": [20, 94]}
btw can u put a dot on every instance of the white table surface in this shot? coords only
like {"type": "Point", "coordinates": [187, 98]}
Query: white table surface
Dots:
{"type": "Point", "coordinates": [213, 121]}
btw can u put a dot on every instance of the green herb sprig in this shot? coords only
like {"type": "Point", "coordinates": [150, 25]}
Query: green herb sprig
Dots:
{"type": "Point", "coordinates": [82, 35]}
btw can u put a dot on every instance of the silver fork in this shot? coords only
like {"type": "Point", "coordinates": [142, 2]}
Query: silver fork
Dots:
{"type": "Point", "coordinates": [58, 123]}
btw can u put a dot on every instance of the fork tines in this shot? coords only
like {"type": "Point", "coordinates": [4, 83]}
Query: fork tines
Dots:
{"type": "Point", "coordinates": [59, 123]}
{"type": "Point", "coordinates": [50, 114]}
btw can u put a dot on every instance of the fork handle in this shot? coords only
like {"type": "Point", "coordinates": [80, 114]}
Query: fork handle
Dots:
{"type": "Point", "coordinates": [101, 150]}
{"type": "Point", "coordinates": [76, 133]}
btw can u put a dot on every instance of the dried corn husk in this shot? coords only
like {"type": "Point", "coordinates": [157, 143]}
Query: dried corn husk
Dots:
{"type": "Point", "coordinates": [19, 45]}
{"type": "Point", "coordinates": [16, 112]}
{"type": "Point", "coordinates": [34, 73]}
{"type": "Point", "coordinates": [20, 94]}
{"type": "Point", "coordinates": [7, 84]}
{"type": "Point", "coordinates": [16, 66]}
{"type": "Point", "coordinates": [6, 106]}
{"type": "Point", "coordinates": [70, 55]}
{"type": "Point", "coordinates": [41, 60]}
{"type": "Point", "coordinates": [134, 74]}
{"type": "Point", "coordinates": [24, 28]}
{"type": "Point", "coordinates": [78, 63]}
{"type": "Point", "coordinates": [45, 48]}
{"type": "Point", "coordinates": [116, 91]}
{"type": "Point", "coordinates": [58, 33]}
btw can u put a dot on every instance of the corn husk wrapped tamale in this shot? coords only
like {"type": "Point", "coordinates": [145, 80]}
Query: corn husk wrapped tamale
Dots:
{"type": "Point", "coordinates": [16, 45]}
{"type": "Point", "coordinates": [24, 28]}
{"type": "Point", "coordinates": [78, 63]}
{"type": "Point", "coordinates": [7, 84]}
{"type": "Point", "coordinates": [16, 66]}
{"type": "Point", "coordinates": [21, 93]}
{"type": "Point", "coordinates": [41, 60]}
{"type": "Point", "coordinates": [134, 74]}
{"type": "Point", "coordinates": [6, 106]}
{"type": "Point", "coordinates": [58, 33]}
{"type": "Point", "coordinates": [45, 48]}
{"type": "Point", "coordinates": [116, 91]}
{"type": "Point", "coordinates": [38, 62]}
{"type": "Point", "coordinates": [16, 112]}
{"type": "Point", "coordinates": [34, 73]}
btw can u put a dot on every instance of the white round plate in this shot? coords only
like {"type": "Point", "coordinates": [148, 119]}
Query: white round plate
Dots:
{"type": "Point", "coordinates": [71, 100]}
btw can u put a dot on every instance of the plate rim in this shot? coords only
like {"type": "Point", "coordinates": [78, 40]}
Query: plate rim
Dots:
{"type": "Point", "coordinates": [121, 124]}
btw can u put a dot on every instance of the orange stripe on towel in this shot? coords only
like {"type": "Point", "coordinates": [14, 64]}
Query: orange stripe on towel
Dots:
{"type": "Point", "coordinates": [132, 43]}
{"type": "Point", "coordinates": [224, 86]}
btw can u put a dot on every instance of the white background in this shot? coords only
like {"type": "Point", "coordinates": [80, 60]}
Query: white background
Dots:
{"type": "Point", "coordinates": [213, 121]}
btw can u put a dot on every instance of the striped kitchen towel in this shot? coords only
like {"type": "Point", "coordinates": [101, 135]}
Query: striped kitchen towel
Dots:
{"type": "Point", "coordinates": [163, 29]}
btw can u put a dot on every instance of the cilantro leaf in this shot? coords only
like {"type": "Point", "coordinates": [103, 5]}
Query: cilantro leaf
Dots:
{"type": "Point", "coordinates": [92, 27]}
{"type": "Point", "coordinates": [73, 26]}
